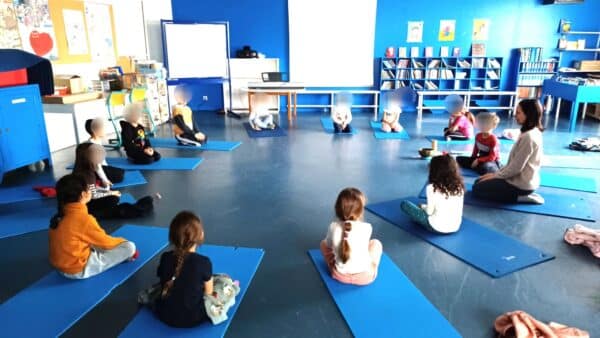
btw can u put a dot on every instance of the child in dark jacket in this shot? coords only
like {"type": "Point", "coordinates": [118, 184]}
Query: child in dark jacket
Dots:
{"type": "Point", "coordinates": [137, 145]}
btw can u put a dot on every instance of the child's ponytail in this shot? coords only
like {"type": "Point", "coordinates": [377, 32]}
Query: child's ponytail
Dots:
{"type": "Point", "coordinates": [345, 247]}
{"type": "Point", "coordinates": [470, 117]}
{"type": "Point", "coordinates": [68, 190]}
{"type": "Point", "coordinates": [179, 258]}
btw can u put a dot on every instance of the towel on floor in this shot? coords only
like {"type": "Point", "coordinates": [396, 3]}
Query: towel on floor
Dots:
{"type": "Point", "coordinates": [519, 324]}
{"type": "Point", "coordinates": [580, 235]}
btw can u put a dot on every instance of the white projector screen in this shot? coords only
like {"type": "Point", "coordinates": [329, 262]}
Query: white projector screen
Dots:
{"type": "Point", "coordinates": [196, 50]}
{"type": "Point", "coordinates": [332, 42]}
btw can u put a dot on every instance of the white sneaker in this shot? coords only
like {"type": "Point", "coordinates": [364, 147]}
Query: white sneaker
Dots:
{"type": "Point", "coordinates": [532, 198]}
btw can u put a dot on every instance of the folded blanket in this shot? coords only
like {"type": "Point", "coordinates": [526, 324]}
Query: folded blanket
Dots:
{"type": "Point", "coordinates": [580, 235]}
{"type": "Point", "coordinates": [519, 324]}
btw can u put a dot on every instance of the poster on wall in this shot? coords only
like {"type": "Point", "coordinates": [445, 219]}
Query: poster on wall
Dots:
{"type": "Point", "coordinates": [75, 32]}
{"type": "Point", "coordinates": [36, 28]}
{"type": "Point", "coordinates": [99, 33]}
{"type": "Point", "coordinates": [447, 30]}
{"type": "Point", "coordinates": [9, 28]}
{"type": "Point", "coordinates": [481, 29]}
{"type": "Point", "coordinates": [415, 31]}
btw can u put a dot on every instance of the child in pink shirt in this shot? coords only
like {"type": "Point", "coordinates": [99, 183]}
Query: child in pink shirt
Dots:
{"type": "Point", "coordinates": [460, 124]}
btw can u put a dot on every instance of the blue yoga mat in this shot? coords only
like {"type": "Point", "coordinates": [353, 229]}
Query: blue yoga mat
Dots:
{"type": "Point", "coordinates": [442, 140]}
{"type": "Point", "coordinates": [165, 163]}
{"type": "Point", "coordinates": [592, 161]}
{"type": "Point", "coordinates": [483, 248]}
{"type": "Point", "coordinates": [277, 132]}
{"type": "Point", "coordinates": [54, 303]}
{"type": "Point", "coordinates": [552, 180]}
{"type": "Point", "coordinates": [376, 126]}
{"type": "Point", "coordinates": [563, 206]}
{"type": "Point", "coordinates": [210, 145]}
{"type": "Point", "coordinates": [327, 124]}
{"type": "Point", "coordinates": [240, 263]}
{"type": "Point", "coordinates": [132, 177]}
{"type": "Point", "coordinates": [390, 306]}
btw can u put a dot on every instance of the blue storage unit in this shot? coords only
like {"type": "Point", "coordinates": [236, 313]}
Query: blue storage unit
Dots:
{"type": "Point", "coordinates": [23, 138]}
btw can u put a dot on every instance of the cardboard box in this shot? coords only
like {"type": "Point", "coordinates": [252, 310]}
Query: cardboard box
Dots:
{"type": "Point", "coordinates": [75, 98]}
{"type": "Point", "coordinates": [587, 65]}
{"type": "Point", "coordinates": [127, 63]}
{"type": "Point", "coordinates": [72, 82]}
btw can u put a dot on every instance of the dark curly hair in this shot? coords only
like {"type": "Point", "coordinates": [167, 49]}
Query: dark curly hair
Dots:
{"type": "Point", "coordinates": [445, 176]}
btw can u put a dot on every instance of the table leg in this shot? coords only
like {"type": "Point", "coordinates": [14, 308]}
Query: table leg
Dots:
{"type": "Point", "coordinates": [289, 103]}
{"type": "Point", "coordinates": [376, 108]}
{"type": "Point", "coordinates": [584, 110]}
{"type": "Point", "coordinates": [558, 102]}
{"type": "Point", "coordinates": [573, 117]}
{"type": "Point", "coordinates": [295, 95]}
{"type": "Point", "coordinates": [249, 102]}
{"type": "Point", "coordinates": [511, 104]}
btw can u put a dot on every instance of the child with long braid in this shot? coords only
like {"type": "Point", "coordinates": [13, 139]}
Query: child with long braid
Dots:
{"type": "Point", "coordinates": [79, 247]}
{"type": "Point", "coordinates": [185, 276]}
{"type": "Point", "coordinates": [351, 255]}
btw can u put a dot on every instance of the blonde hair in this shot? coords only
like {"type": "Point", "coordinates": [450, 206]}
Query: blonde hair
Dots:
{"type": "Point", "coordinates": [349, 206]}
{"type": "Point", "coordinates": [487, 121]}
{"type": "Point", "coordinates": [130, 110]}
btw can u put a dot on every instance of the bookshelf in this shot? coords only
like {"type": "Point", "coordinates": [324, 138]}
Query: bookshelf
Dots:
{"type": "Point", "coordinates": [569, 42]}
{"type": "Point", "coordinates": [480, 73]}
{"type": "Point", "coordinates": [533, 70]}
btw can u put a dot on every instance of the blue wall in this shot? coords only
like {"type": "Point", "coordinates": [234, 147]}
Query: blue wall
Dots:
{"type": "Point", "coordinates": [263, 24]}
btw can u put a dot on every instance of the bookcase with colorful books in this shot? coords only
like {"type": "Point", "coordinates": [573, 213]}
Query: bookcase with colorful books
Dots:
{"type": "Point", "coordinates": [533, 69]}
{"type": "Point", "coordinates": [441, 73]}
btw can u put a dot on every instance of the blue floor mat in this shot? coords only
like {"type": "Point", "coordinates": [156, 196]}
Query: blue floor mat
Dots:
{"type": "Point", "coordinates": [277, 132]}
{"type": "Point", "coordinates": [390, 306]}
{"type": "Point", "coordinates": [327, 125]}
{"type": "Point", "coordinates": [556, 204]}
{"type": "Point", "coordinates": [240, 263]}
{"type": "Point", "coordinates": [131, 178]}
{"type": "Point", "coordinates": [21, 193]}
{"type": "Point", "coordinates": [50, 306]}
{"type": "Point", "coordinates": [442, 140]}
{"type": "Point", "coordinates": [165, 163]}
{"type": "Point", "coordinates": [574, 162]}
{"type": "Point", "coordinates": [559, 181]}
{"type": "Point", "coordinates": [483, 248]}
{"type": "Point", "coordinates": [380, 135]}
{"type": "Point", "coordinates": [171, 143]}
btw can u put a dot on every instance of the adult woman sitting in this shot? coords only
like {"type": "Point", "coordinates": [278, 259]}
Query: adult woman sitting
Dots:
{"type": "Point", "coordinates": [517, 181]}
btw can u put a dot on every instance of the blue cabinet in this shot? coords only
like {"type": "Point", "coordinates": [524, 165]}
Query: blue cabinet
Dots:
{"type": "Point", "coordinates": [23, 138]}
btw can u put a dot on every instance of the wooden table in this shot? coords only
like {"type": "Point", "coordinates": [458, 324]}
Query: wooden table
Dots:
{"type": "Point", "coordinates": [572, 92]}
{"type": "Point", "coordinates": [290, 93]}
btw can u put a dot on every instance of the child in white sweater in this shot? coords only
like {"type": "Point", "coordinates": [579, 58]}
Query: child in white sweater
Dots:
{"type": "Point", "coordinates": [260, 116]}
{"type": "Point", "coordinates": [351, 255]}
{"type": "Point", "coordinates": [445, 192]}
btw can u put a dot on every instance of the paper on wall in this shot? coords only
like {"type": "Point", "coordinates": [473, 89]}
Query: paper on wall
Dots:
{"type": "Point", "coordinates": [75, 32]}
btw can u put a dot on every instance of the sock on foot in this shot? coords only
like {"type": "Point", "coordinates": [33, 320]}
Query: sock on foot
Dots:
{"type": "Point", "coordinates": [532, 198]}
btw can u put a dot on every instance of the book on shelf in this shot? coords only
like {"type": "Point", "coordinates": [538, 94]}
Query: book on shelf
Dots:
{"type": "Point", "coordinates": [445, 64]}
{"type": "Point", "coordinates": [400, 84]}
{"type": "Point", "coordinates": [386, 85]}
{"type": "Point", "coordinates": [489, 86]}
{"type": "Point", "coordinates": [403, 63]}
{"type": "Point", "coordinates": [417, 64]}
{"type": "Point", "coordinates": [389, 64]}
{"type": "Point", "coordinates": [464, 63]}
{"type": "Point", "coordinates": [478, 62]}
{"type": "Point", "coordinates": [387, 74]}
{"type": "Point", "coordinates": [493, 63]}
{"type": "Point", "coordinates": [417, 74]}
{"type": "Point", "coordinates": [402, 52]}
{"type": "Point", "coordinates": [456, 52]}
{"type": "Point", "coordinates": [461, 75]}
{"type": "Point", "coordinates": [432, 74]}
{"type": "Point", "coordinates": [428, 52]}
{"type": "Point", "coordinates": [414, 52]}
{"type": "Point", "coordinates": [403, 74]}
{"type": "Point", "coordinates": [478, 49]}
{"type": "Point", "coordinates": [492, 74]}
{"type": "Point", "coordinates": [530, 54]}
{"type": "Point", "coordinates": [444, 51]}
{"type": "Point", "coordinates": [417, 86]}
{"type": "Point", "coordinates": [456, 85]}
{"type": "Point", "coordinates": [433, 64]}
{"type": "Point", "coordinates": [477, 87]}
{"type": "Point", "coordinates": [447, 74]}
{"type": "Point", "coordinates": [430, 85]}
{"type": "Point", "coordinates": [565, 26]}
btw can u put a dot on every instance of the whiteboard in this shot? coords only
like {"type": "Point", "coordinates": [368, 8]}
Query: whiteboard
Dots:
{"type": "Point", "coordinates": [195, 50]}
{"type": "Point", "coordinates": [332, 42]}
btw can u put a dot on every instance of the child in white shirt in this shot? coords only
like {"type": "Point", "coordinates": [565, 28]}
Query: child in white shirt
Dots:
{"type": "Point", "coordinates": [351, 255]}
{"type": "Point", "coordinates": [445, 192]}
{"type": "Point", "coordinates": [260, 116]}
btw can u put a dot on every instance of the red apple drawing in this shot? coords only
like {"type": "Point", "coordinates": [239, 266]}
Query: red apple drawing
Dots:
{"type": "Point", "coordinates": [41, 43]}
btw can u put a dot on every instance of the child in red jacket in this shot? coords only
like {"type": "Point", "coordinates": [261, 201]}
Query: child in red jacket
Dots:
{"type": "Point", "coordinates": [486, 151]}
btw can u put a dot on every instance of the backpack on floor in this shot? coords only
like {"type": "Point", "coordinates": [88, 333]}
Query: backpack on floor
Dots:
{"type": "Point", "coordinates": [586, 144]}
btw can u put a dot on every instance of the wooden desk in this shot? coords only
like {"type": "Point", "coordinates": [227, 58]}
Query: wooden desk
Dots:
{"type": "Point", "coordinates": [576, 94]}
{"type": "Point", "coordinates": [291, 94]}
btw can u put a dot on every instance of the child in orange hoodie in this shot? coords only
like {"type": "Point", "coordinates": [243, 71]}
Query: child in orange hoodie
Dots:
{"type": "Point", "coordinates": [79, 247]}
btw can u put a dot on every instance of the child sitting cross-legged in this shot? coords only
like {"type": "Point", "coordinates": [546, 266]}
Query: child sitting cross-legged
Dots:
{"type": "Point", "coordinates": [351, 255]}
{"type": "Point", "coordinates": [260, 117]}
{"type": "Point", "coordinates": [486, 151]}
{"type": "Point", "coordinates": [107, 174]}
{"type": "Point", "coordinates": [445, 192]}
{"type": "Point", "coordinates": [185, 130]}
{"type": "Point", "coordinates": [79, 247]}
{"type": "Point", "coordinates": [460, 124]}
{"type": "Point", "coordinates": [341, 113]}
{"type": "Point", "coordinates": [136, 143]}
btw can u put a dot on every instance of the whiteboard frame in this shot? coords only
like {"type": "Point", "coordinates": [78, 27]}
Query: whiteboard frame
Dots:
{"type": "Point", "coordinates": [175, 81]}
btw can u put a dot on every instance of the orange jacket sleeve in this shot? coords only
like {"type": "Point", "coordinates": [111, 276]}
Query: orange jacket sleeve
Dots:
{"type": "Point", "coordinates": [96, 237]}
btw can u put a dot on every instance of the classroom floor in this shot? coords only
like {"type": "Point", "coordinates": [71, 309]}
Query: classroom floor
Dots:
{"type": "Point", "coordinates": [278, 194]}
